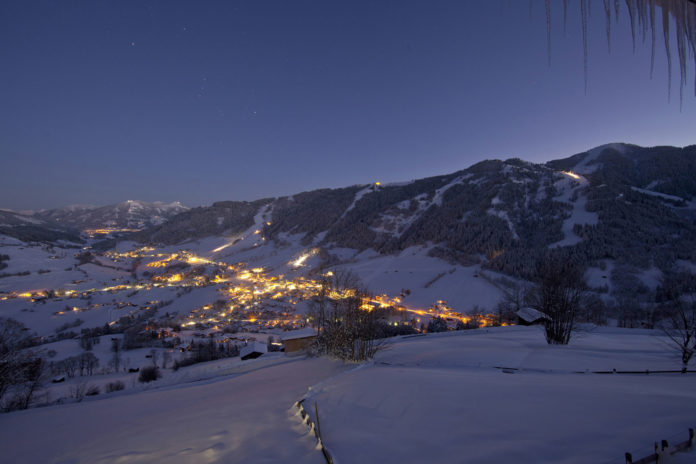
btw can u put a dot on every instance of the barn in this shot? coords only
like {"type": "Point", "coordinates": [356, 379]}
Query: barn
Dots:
{"type": "Point", "coordinates": [297, 341]}
{"type": "Point", "coordinates": [252, 350]}
{"type": "Point", "coordinates": [531, 316]}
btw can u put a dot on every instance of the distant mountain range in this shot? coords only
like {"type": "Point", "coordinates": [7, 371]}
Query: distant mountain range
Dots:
{"type": "Point", "coordinates": [630, 206]}
{"type": "Point", "coordinates": [129, 214]}
{"type": "Point", "coordinates": [67, 223]}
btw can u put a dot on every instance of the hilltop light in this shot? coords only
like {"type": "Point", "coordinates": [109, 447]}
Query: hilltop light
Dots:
{"type": "Point", "coordinates": [571, 174]}
{"type": "Point", "coordinates": [220, 248]}
{"type": "Point", "coordinates": [300, 261]}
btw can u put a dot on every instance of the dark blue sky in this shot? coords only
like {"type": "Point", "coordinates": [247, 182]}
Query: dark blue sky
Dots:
{"type": "Point", "coordinates": [204, 101]}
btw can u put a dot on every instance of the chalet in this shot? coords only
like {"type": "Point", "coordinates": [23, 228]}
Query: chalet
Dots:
{"type": "Point", "coordinates": [531, 316]}
{"type": "Point", "coordinates": [252, 350]}
{"type": "Point", "coordinates": [297, 341]}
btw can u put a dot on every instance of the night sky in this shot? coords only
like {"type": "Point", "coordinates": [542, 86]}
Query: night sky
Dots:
{"type": "Point", "coordinates": [202, 101]}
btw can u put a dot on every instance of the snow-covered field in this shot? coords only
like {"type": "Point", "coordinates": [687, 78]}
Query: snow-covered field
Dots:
{"type": "Point", "coordinates": [440, 398]}
{"type": "Point", "coordinates": [236, 418]}
{"type": "Point", "coordinates": [432, 398]}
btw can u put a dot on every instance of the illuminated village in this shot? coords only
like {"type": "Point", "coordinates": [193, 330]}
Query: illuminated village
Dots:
{"type": "Point", "coordinates": [252, 298]}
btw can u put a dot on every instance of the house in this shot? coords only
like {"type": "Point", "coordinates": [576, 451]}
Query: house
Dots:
{"type": "Point", "coordinates": [252, 350]}
{"type": "Point", "coordinates": [297, 341]}
{"type": "Point", "coordinates": [531, 316]}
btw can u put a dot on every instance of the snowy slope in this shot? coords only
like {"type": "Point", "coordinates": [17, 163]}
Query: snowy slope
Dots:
{"type": "Point", "coordinates": [434, 398]}
{"type": "Point", "coordinates": [439, 399]}
{"type": "Point", "coordinates": [239, 418]}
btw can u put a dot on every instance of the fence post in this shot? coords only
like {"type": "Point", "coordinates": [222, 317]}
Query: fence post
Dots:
{"type": "Point", "coordinates": [629, 458]}
{"type": "Point", "coordinates": [691, 437]}
{"type": "Point", "coordinates": [316, 411]}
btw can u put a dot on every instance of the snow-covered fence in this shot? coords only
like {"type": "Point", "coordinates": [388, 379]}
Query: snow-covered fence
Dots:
{"type": "Point", "coordinates": [663, 450]}
{"type": "Point", "coordinates": [511, 370]}
{"type": "Point", "coordinates": [646, 372]}
{"type": "Point", "coordinates": [314, 427]}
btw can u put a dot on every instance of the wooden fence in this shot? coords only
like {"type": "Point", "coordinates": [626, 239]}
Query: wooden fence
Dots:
{"type": "Point", "coordinates": [314, 427]}
{"type": "Point", "coordinates": [663, 450]}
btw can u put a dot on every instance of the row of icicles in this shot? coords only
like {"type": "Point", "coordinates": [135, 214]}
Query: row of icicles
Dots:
{"type": "Point", "coordinates": [642, 14]}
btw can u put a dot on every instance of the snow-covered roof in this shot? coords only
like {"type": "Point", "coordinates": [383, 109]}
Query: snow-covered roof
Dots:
{"type": "Point", "coordinates": [301, 333]}
{"type": "Point", "coordinates": [253, 347]}
{"type": "Point", "coordinates": [531, 314]}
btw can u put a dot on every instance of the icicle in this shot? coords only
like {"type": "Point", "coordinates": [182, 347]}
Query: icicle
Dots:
{"type": "Point", "coordinates": [665, 30]}
{"type": "Point", "coordinates": [607, 11]}
{"type": "Point", "coordinates": [642, 19]}
{"type": "Point", "coordinates": [642, 15]}
{"type": "Point", "coordinates": [583, 16]}
{"type": "Point", "coordinates": [680, 18]}
{"type": "Point", "coordinates": [652, 29]}
{"type": "Point", "coordinates": [548, 29]}
{"type": "Point", "coordinates": [631, 14]}
{"type": "Point", "coordinates": [691, 27]}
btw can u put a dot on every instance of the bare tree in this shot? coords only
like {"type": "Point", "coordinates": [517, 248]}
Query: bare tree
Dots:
{"type": "Point", "coordinates": [558, 293]}
{"type": "Point", "coordinates": [679, 318]}
{"type": "Point", "coordinates": [346, 328]}
{"type": "Point", "coordinates": [78, 390]}
{"type": "Point", "coordinates": [116, 358]}
{"type": "Point", "coordinates": [30, 381]}
{"type": "Point", "coordinates": [166, 357]}
{"type": "Point", "coordinates": [21, 371]}
{"type": "Point", "coordinates": [512, 301]}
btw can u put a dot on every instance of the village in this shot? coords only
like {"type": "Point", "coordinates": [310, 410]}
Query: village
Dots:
{"type": "Point", "coordinates": [241, 303]}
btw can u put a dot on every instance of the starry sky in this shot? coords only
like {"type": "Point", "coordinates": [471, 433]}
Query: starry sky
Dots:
{"type": "Point", "coordinates": [200, 101]}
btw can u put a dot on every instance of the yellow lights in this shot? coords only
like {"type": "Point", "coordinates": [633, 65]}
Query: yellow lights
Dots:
{"type": "Point", "coordinates": [253, 297]}
{"type": "Point", "coordinates": [257, 232]}
{"type": "Point", "coordinates": [300, 260]}
{"type": "Point", "coordinates": [571, 174]}
{"type": "Point", "coordinates": [220, 248]}
{"type": "Point", "coordinates": [378, 184]}
{"type": "Point", "coordinates": [164, 262]}
{"type": "Point", "coordinates": [106, 231]}
{"type": "Point", "coordinates": [268, 223]}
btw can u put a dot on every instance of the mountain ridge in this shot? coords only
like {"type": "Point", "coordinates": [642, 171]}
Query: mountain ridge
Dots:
{"type": "Point", "coordinates": [623, 206]}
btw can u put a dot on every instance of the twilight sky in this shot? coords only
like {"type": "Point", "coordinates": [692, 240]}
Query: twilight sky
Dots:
{"type": "Point", "coordinates": [199, 101]}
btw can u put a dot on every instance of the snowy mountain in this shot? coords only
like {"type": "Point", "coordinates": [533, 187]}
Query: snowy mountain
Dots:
{"type": "Point", "coordinates": [129, 214]}
{"type": "Point", "coordinates": [32, 229]}
{"type": "Point", "coordinates": [622, 211]}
